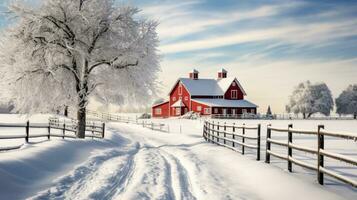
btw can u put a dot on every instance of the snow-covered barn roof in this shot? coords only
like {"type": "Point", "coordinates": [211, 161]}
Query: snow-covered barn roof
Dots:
{"type": "Point", "coordinates": [178, 104]}
{"type": "Point", "coordinates": [208, 87]}
{"type": "Point", "coordinates": [226, 103]}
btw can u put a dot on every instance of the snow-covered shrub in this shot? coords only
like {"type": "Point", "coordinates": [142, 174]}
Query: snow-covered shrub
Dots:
{"type": "Point", "coordinates": [191, 115]}
{"type": "Point", "coordinates": [144, 116]}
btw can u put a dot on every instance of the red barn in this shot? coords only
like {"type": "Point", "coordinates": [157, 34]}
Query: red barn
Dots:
{"type": "Point", "coordinates": [220, 96]}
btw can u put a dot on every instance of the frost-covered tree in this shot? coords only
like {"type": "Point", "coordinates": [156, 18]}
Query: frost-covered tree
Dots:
{"type": "Point", "coordinates": [63, 52]}
{"type": "Point", "coordinates": [346, 103]}
{"type": "Point", "coordinates": [309, 99]}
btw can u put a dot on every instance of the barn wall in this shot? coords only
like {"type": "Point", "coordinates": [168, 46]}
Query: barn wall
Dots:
{"type": "Point", "coordinates": [175, 94]}
{"type": "Point", "coordinates": [194, 106]}
{"type": "Point", "coordinates": [230, 110]}
{"type": "Point", "coordinates": [240, 95]}
{"type": "Point", "coordinates": [164, 110]}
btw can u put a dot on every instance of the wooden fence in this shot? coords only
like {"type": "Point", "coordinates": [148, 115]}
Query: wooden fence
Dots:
{"type": "Point", "coordinates": [320, 151]}
{"type": "Point", "coordinates": [218, 133]}
{"type": "Point", "coordinates": [95, 130]}
{"type": "Point", "coordinates": [125, 119]}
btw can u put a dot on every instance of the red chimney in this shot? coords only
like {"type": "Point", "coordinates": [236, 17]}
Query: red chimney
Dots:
{"type": "Point", "coordinates": [193, 74]}
{"type": "Point", "coordinates": [222, 73]}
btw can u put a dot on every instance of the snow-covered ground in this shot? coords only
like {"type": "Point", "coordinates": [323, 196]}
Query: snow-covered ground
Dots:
{"type": "Point", "coordinates": [133, 162]}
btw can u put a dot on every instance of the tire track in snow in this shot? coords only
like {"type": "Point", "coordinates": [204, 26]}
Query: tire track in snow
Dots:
{"type": "Point", "coordinates": [181, 184]}
{"type": "Point", "coordinates": [77, 185]}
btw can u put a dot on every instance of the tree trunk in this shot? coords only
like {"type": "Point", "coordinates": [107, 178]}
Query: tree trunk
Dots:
{"type": "Point", "coordinates": [304, 115]}
{"type": "Point", "coordinates": [309, 115]}
{"type": "Point", "coordinates": [81, 117]}
{"type": "Point", "coordinates": [355, 116]}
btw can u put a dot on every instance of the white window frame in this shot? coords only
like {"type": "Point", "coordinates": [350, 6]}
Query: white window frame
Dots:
{"type": "Point", "coordinates": [173, 98]}
{"type": "Point", "coordinates": [199, 108]}
{"type": "Point", "coordinates": [215, 110]}
{"type": "Point", "coordinates": [236, 94]}
{"type": "Point", "coordinates": [207, 111]}
{"type": "Point", "coordinates": [244, 111]}
{"type": "Point", "coordinates": [234, 83]}
{"type": "Point", "coordinates": [252, 110]}
{"type": "Point", "coordinates": [186, 98]}
{"type": "Point", "coordinates": [234, 111]}
{"type": "Point", "coordinates": [158, 111]}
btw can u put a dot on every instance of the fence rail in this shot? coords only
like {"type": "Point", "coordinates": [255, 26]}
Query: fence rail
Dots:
{"type": "Point", "coordinates": [320, 151]}
{"type": "Point", "coordinates": [124, 119]}
{"type": "Point", "coordinates": [216, 133]}
{"type": "Point", "coordinates": [95, 130]}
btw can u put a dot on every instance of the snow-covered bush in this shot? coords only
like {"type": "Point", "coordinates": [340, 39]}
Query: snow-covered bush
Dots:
{"type": "Point", "coordinates": [191, 115]}
{"type": "Point", "coordinates": [309, 99]}
{"type": "Point", "coordinates": [346, 103]}
{"type": "Point", "coordinates": [64, 52]}
{"type": "Point", "coordinates": [144, 116]}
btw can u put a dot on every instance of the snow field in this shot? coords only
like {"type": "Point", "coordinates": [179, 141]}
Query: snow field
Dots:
{"type": "Point", "coordinates": [133, 162]}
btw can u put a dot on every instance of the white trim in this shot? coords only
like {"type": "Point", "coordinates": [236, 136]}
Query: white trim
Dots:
{"type": "Point", "coordinates": [159, 104]}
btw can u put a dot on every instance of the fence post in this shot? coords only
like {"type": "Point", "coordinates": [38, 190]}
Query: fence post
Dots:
{"type": "Point", "coordinates": [64, 130]}
{"type": "Point", "coordinates": [224, 133]}
{"type": "Point", "coordinates": [217, 132]}
{"type": "Point", "coordinates": [233, 136]}
{"type": "Point", "coordinates": [49, 130]}
{"type": "Point", "coordinates": [103, 129]}
{"type": "Point", "coordinates": [320, 158]}
{"type": "Point", "coordinates": [267, 155]}
{"type": "Point", "coordinates": [258, 143]}
{"type": "Point", "coordinates": [243, 139]}
{"type": "Point", "coordinates": [290, 151]}
{"type": "Point", "coordinates": [27, 131]}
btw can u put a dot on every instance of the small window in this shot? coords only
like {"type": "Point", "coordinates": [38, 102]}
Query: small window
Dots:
{"type": "Point", "coordinates": [158, 111]}
{"type": "Point", "coordinates": [234, 83]}
{"type": "Point", "coordinates": [173, 98]}
{"type": "Point", "coordinates": [216, 110]}
{"type": "Point", "coordinates": [180, 90]}
{"type": "Point", "coordinates": [207, 111]}
{"type": "Point", "coordinates": [244, 111]}
{"type": "Point", "coordinates": [199, 108]}
{"type": "Point", "coordinates": [186, 98]}
{"type": "Point", "coordinates": [252, 111]}
{"type": "Point", "coordinates": [234, 94]}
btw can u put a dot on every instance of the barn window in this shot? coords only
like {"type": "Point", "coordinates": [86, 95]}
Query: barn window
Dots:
{"type": "Point", "coordinates": [234, 94]}
{"type": "Point", "coordinates": [173, 98]}
{"type": "Point", "coordinates": [180, 90]}
{"type": "Point", "coordinates": [216, 110]}
{"type": "Point", "coordinates": [186, 98]}
{"type": "Point", "coordinates": [199, 108]}
{"type": "Point", "coordinates": [158, 111]}
{"type": "Point", "coordinates": [252, 111]}
{"type": "Point", "coordinates": [234, 83]}
{"type": "Point", "coordinates": [207, 111]}
{"type": "Point", "coordinates": [244, 111]}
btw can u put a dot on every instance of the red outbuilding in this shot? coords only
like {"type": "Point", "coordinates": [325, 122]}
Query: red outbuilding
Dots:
{"type": "Point", "coordinates": [220, 96]}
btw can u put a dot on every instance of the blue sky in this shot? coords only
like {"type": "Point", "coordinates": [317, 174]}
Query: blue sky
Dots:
{"type": "Point", "coordinates": [270, 46]}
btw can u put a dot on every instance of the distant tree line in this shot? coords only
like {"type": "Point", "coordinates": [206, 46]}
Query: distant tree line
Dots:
{"type": "Point", "coordinates": [308, 99]}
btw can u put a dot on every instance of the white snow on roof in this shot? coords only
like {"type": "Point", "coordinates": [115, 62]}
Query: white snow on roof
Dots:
{"type": "Point", "coordinates": [209, 87]}
{"type": "Point", "coordinates": [226, 103]}
{"type": "Point", "coordinates": [204, 87]}
{"type": "Point", "coordinates": [224, 84]}
{"type": "Point", "coordinates": [178, 104]}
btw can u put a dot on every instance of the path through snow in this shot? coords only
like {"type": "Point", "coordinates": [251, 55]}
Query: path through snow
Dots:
{"type": "Point", "coordinates": [154, 165]}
